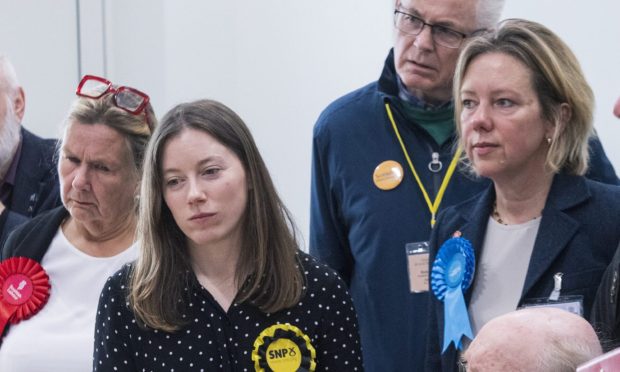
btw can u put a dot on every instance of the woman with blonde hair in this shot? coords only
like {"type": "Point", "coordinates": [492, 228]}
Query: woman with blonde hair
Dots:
{"type": "Point", "coordinates": [541, 234]}
{"type": "Point", "coordinates": [77, 246]}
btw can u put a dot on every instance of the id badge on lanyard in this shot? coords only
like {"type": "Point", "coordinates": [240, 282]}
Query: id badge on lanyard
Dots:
{"type": "Point", "coordinates": [417, 265]}
{"type": "Point", "coordinates": [572, 304]}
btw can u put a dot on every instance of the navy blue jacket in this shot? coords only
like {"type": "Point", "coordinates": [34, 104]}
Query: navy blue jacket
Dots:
{"type": "Point", "coordinates": [361, 231]}
{"type": "Point", "coordinates": [578, 236]}
{"type": "Point", "coordinates": [36, 186]}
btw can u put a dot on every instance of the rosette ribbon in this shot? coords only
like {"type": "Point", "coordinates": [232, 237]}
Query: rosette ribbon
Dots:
{"type": "Point", "coordinates": [283, 348]}
{"type": "Point", "coordinates": [25, 289]}
{"type": "Point", "coordinates": [451, 274]}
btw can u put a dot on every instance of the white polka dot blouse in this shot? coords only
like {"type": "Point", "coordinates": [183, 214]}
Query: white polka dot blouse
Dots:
{"type": "Point", "coordinates": [318, 334]}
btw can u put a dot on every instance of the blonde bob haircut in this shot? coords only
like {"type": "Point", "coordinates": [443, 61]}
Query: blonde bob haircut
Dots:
{"type": "Point", "coordinates": [557, 79]}
{"type": "Point", "coordinates": [268, 270]}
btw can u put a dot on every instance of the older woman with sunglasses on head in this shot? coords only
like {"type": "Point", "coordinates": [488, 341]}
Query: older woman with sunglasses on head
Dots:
{"type": "Point", "coordinates": [80, 244]}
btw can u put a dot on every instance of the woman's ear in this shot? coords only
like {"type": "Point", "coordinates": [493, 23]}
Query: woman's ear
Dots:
{"type": "Point", "coordinates": [19, 104]}
{"type": "Point", "coordinates": [565, 113]}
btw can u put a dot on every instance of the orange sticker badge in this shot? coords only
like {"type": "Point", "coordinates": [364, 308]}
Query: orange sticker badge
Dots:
{"type": "Point", "coordinates": [388, 175]}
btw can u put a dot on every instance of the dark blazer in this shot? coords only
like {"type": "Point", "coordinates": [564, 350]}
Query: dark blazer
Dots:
{"type": "Point", "coordinates": [605, 316]}
{"type": "Point", "coordinates": [578, 235]}
{"type": "Point", "coordinates": [33, 238]}
{"type": "Point", "coordinates": [36, 186]}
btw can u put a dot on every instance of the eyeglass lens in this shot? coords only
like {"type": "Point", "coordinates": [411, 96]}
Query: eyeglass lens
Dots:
{"type": "Point", "coordinates": [413, 25]}
{"type": "Point", "coordinates": [94, 88]}
{"type": "Point", "coordinates": [128, 100]}
{"type": "Point", "coordinates": [124, 97]}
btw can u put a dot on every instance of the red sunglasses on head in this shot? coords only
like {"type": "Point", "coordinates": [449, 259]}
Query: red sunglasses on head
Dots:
{"type": "Point", "coordinates": [129, 99]}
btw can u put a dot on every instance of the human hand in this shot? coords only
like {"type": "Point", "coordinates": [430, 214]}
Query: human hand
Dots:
{"type": "Point", "coordinates": [617, 108]}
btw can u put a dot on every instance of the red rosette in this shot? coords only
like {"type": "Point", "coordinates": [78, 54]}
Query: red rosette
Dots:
{"type": "Point", "coordinates": [24, 289]}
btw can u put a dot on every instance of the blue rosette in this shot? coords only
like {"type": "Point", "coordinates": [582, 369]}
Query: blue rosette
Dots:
{"type": "Point", "coordinates": [451, 275]}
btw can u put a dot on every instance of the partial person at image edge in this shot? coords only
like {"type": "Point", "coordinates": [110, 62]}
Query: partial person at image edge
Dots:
{"type": "Point", "coordinates": [606, 309]}
{"type": "Point", "coordinates": [84, 241]}
{"type": "Point", "coordinates": [28, 178]}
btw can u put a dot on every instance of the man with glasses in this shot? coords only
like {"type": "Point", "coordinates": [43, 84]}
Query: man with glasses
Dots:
{"type": "Point", "coordinates": [28, 179]}
{"type": "Point", "coordinates": [384, 165]}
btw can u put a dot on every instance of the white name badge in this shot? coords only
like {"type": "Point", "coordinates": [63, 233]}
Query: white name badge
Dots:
{"type": "Point", "coordinates": [417, 265]}
{"type": "Point", "coordinates": [572, 304]}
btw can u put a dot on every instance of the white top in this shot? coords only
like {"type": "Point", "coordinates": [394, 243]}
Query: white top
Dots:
{"type": "Point", "coordinates": [61, 336]}
{"type": "Point", "coordinates": [501, 268]}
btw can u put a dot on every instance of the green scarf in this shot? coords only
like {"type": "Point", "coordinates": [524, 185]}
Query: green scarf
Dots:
{"type": "Point", "coordinates": [438, 123]}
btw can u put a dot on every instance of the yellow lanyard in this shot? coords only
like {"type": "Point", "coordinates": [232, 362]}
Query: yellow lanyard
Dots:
{"type": "Point", "coordinates": [432, 206]}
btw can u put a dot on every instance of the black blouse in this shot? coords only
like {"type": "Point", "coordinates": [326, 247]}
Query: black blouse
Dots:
{"type": "Point", "coordinates": [319, 333]}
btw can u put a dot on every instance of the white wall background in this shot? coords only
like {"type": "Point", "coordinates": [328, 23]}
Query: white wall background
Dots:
{"type": "Point", "coordinates": [40, 38]}
{"type": "Point", "coordinates": [592, 31]}
{"type": "Point", "coordinates": [276, 63]}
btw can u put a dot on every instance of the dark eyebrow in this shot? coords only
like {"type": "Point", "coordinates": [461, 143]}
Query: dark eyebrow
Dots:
{"type": "Point", "coordinates": [113, 163]}
{"type": "Point", "coordinates": [200, 163]}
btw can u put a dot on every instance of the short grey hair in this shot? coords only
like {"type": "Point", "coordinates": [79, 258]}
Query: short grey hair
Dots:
{"type": "Point", "coordinates": [8, 77]}
{"type": "Point", "coordinates": [565, 355]}
{"type": "Point", "coordinates": [488, 13]}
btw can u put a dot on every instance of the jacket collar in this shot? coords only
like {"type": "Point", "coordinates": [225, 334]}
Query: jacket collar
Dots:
{"type": "Point", "coordinates": [36, 163]}
{"type": "Point", "coordinates": [388, 84]}
{"type": "Point", "coordinates": [557, 227]}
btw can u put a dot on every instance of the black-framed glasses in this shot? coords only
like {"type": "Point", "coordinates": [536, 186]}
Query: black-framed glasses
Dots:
{"type": "Point", "coordinates": [412, 25]}
{"type": "Point", "coordinates": [127, 98]}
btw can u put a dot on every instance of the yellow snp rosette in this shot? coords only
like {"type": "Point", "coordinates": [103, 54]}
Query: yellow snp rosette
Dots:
{"type": "Point", "coordinates": [283, 348]}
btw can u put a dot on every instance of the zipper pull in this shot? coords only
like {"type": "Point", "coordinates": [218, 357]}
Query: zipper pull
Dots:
{"type": "Point", "coordinates": [435, 165]}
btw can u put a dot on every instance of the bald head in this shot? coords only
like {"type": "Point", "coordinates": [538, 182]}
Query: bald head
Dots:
{"type": "Point", "coordinates": [536, 339]}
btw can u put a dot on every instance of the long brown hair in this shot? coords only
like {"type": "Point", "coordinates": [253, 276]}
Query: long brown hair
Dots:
{"type": "Point", "coordinates": [268, 266]}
